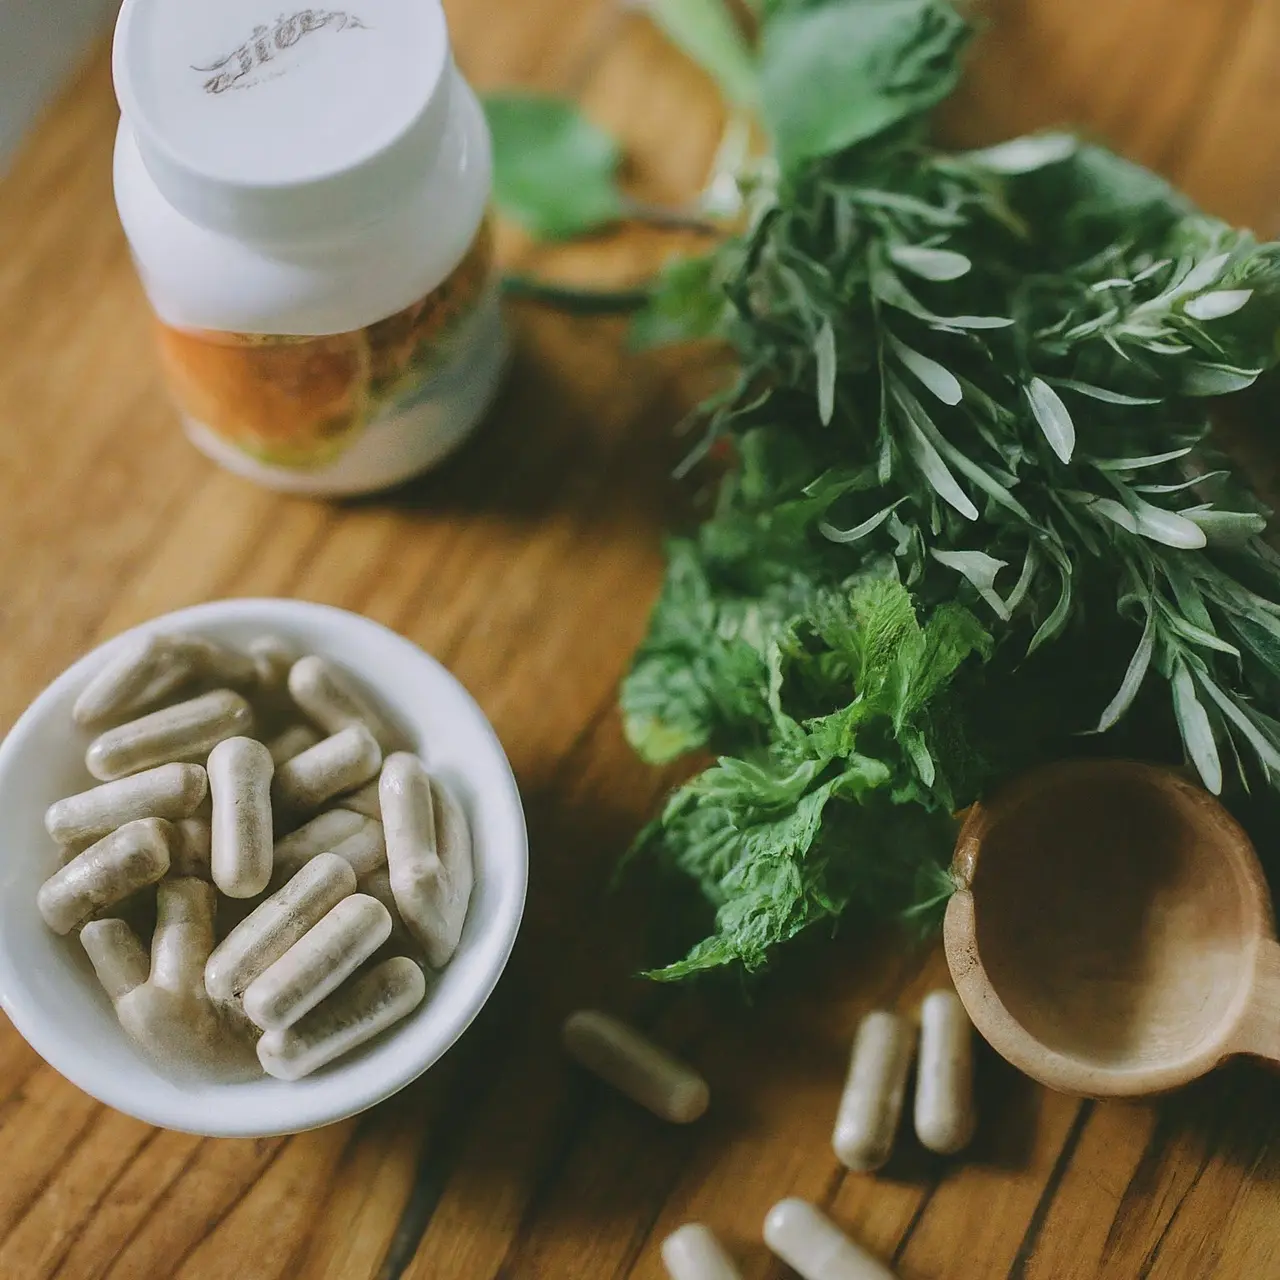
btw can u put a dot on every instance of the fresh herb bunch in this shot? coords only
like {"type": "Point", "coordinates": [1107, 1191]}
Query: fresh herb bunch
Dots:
{"type": "Point", "coordinates": [972, 509]}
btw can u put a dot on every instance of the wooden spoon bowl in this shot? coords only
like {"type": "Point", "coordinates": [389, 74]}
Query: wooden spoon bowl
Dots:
{"type": "Point", "coordinates": [1112, 934]}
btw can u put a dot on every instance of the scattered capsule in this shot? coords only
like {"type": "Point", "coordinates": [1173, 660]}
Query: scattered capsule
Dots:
{"type": "Point", "coordinates": [693, 1253]}
{"type": "Point", "coordinates": [240, 772]}
{"type": "Point", "coordinates": [180, 732]}
{"type": "Point", "coordinates": [336, 764]}
{"type": "Point", "coordinates": [171, 1010]}
{"type": "Point", "coordinates": [809, 1242]}
{"type": "Point", "coordinates": [192, 853]}
{"type": "Point", "coordinates": [318, 963]}
{"type": "Point", "coordinates": [264, 935]}
{"type": "Point", "coordinates": [364, 800]}
{"type": "Point", "coordinates": [143, 671]}
{"type": "Point", "coordinates": [172, 791]}
{"type": "Point", "coordinates": [635, 1066]}
{"type": "Point", "coordinates": [350, 835]}
{"type": "Point", "coordinates": [291, 742]}
{"type": "Point", "coordinates": [352, 1015]}
{"type": "Point", "coordinates": [944, 1112]}
{"type": "Point", "coordinates": [428, 855]}
{"type": "Point", "coordinates": [333, 700]}
{"type": "Point", "coordinates": [118, 957]}
{"type": "Point", "coordinates": [871, 1104]}
{"type": "Point", "coordinates": [121, 863]}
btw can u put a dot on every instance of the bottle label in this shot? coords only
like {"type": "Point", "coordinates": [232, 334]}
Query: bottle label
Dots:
{"type": "Point", "coordinates": [300, 402]}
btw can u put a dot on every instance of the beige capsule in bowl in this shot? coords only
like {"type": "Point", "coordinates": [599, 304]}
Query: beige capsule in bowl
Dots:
{"type": "Point", "coordinates": [47, 985]}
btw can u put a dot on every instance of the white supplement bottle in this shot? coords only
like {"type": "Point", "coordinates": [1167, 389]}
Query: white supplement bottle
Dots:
{"type": "Point", "coordinates": [304, 193]}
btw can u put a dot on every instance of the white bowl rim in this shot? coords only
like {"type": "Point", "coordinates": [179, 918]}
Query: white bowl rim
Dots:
{"type": "Point", "coordinates": [294, 1112]}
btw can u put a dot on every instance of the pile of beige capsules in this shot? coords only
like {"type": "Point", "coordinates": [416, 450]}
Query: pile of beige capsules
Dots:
{"type": "Point", "coordinates": [294, 869]}
{"type": "Point", "coordinates": [865, 1129]}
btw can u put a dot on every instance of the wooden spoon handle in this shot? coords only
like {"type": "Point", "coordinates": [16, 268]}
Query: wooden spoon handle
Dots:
{"type": "Point", "coordinates": [1258, 1032]}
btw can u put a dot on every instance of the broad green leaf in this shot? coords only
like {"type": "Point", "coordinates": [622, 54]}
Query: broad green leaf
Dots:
{"type": "Point", "coordinates": [1215, 379]}
{"type": "Point", "coordinates": [1197, 732]}
{"type": "Point", "coordinates": [707, 33]}
{"type": "Point", "coordinates": [554, 171]}
{"type": "Point", "coordinates": [1023, 155]}
{"type": "Point", "coordinates": [1133, 677]}
{"type": "Point", "coordinates": [940, 380]}
{"type": "Point", "coordinates": [930, 264]}
{"type": "Point", "coordinates": [1103, 393]}
{"type": "Point", "coordinates": [836, 74]}
{"type": "Point", "coordinates": [1168, 527]}
{"type": "Point", "coordinates": [1212, 306]}
{"type": "Point", "coordinates": [824, 351]}
{"type": "Point", "coordinates": [1053, 417]}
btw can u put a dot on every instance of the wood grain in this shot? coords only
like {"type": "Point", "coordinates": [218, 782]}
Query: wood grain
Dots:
{"type": "Point", "coordinates": [528, 565]}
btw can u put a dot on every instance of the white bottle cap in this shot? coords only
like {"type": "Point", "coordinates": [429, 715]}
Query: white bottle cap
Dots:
{"type": "Point", "coordinates": [271, 123]}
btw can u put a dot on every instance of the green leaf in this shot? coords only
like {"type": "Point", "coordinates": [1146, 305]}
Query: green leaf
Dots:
{"type": "Point", "coordinates": [980, 569]}
{"type": "Point", "coordinates": [707, 33]}
{"type": "Point", "coordinates": [1197, 732]}
{"type": "Point", "coordinates": [930, 264]}
{"type": "Point", "coordinates": [1102, 393]}
{"type": "Point", "coordinates": [1216, 379]}
{"type": "Point", "coordinates": [685, 305]}
{"type": "Point", "coordinates": [1213, 306]}
{"type": "Point", "coordinates": [1223, 528]}
{"type": "Point", "coordinates": [859, 531]}
{"type": "Point", "coordinates": [554, 171]}
{"type": "Point", "coordinates": [839, 73]}
{"type": "Point", "coordinates": [941, 381]}
{"type": "Point", "coordinates": [1023, 155]}
{"type": "Point", "coordinates": [1053, 417]}
{"type": "Point", "coordinates": [928, 459]}
{"type": "Point", "coordinates": [1133, 677]}
{"type": "Point", "coordinates": [824, 352]}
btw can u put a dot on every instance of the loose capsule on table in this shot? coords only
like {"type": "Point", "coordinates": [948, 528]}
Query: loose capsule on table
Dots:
{"type": "Point", "coordinates": [336, 764]}
{"type": "Point", "coordinates": [357, 839]}
{"type": "Point", "coordinates": [693, 1253]}
{"type": "Point", "coordinates": [263, 936]}
{"type": "Point", "coordinates": [172, 791]}
{"type": "Point", "coordinates": [359, 1010]}
{"type": "Point", "coordinates": [944, 1111]}
{"type": "Point", "coordinates": [635, 1066]}
{"type": "Point", "coordinates": [291, 742]}
{"type": "Point", "coordinates": [811, 1244]}
{"type": "Point", "coordinates": [240, 772]}
{"type": "Point", "coordinates": [335, 701]}
{"type": "Point", "coordinates": [428, 855]}
{"type": "Point", "coordinates": [318, 963]}
{"type": "Point", "coordinates": [871, 1104]}
{"type": "Point", "coordinates": [180, 732]}
{"type": "Point", "coordinates": [120, 864]}
{"type": "Point", "coordinates": [142, 672]}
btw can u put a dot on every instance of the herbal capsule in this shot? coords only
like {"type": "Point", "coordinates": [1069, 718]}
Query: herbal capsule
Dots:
{"type": "Point", "coordinates": [264, 935]}
{"type": "Point", "coordinates": [872, 1100]}
{"type": "Point", "coordinates": [191, 853]}
{"type": "Point", "coordinates": [350, 835]}
{"type": "Point", "coordinates": [335, 701]}
{"type": "Point", "coordinates": [219, 663]}
{"type": "Point", "coordinates": [809, 1242]}
{"type": "Point", "coordinates": [318, 963]}
{"type": "Point", "coordinates": [105, 873]}
{"type": "Point", "coordinates": [364, 800]}
{"type": "Point", "coordinates": [180, 732]}
{"type": "Point", "coordinates": [240, 771]}
{"type": "Point", "coordinates": [143, 671]}
{"type": "Point", "coordinates": [118, 957]}
{"type": "Point", "coordinates": [172, 791]}
{"type": "Point", "coordinates": [171, 1009]}
{"type": "Point", "coordinates": [272, 658]}
{"type": "Point", "coordinates": [291, 742]}
{"type": "Point", "coordinates": [693, 1253]}
{"type": "Point", "coordinates": [944, 1112]}
{"type": "Point", "coordinates": [377, 884]}
{"type": "Point", "coordinates": [428, 855]}
{"type": "Point", "coordinates": [634, 1065]}
{"type": "Point", "coordinates": [354, 1014]}
{"type": "Point", "coordinates": [336, 764]}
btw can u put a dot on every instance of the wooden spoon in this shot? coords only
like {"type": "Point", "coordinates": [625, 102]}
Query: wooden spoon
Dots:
{"type": "Point", "coordinates": [1112, 934]}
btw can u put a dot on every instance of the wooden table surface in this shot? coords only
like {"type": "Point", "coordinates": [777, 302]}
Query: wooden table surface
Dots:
{"type": "Point", "coordinates": [528, 565]}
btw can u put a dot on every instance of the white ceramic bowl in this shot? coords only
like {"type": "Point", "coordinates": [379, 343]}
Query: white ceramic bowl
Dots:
{"type": "Point", "coordinates": [49, 991]}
